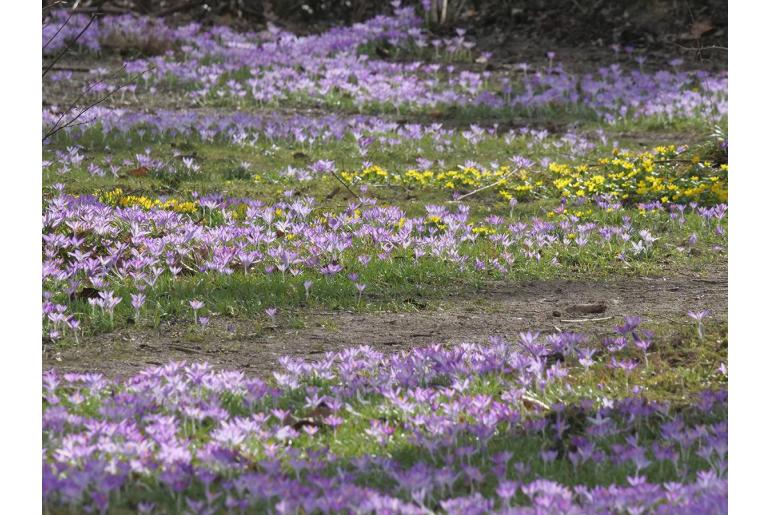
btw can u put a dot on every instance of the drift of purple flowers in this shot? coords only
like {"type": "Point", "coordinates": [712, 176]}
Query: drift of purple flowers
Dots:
{"type": "Point", "coordinates": [542, 423]}
{"type": "Point", "coordinates": [277, 68]}
{"type": "Point", "coordinates": [89, 246]}
{"type": "Point", "coordinates": [500, 427]}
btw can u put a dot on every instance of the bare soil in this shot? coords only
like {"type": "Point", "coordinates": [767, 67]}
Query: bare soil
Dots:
{"type": "Point", "coordinates": [469, 316]}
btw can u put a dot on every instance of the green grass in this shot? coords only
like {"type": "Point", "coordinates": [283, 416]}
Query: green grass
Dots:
{"type": "Point", "coordinates": [676, 373]}
{"type": "Point", "coordinates": [397, 284]}
{"type": "Point", "coordinates": [222, 171]}
{"type": "Point", "coordinates": [390, 285]}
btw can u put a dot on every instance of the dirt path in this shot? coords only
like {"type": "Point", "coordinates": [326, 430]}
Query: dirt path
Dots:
{"type": "Point", "coordinates": [471, 316]}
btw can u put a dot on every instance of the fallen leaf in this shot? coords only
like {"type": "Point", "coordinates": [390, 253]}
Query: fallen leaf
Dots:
{"type": "Point", "coordinates": [302, 422]}
{"type": "Point", "coordinates": [700, 27]}
{"type": "Point", "coordinates": [138, 172]}
{"type": "Point", "coordinates": [86, 293]}
{"type": "Point", "coordinates": [321, 411]}
{"type": "Point", "coordinates": [532, 403]}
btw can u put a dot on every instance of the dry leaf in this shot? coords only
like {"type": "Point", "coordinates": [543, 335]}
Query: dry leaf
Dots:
{"type": "Point", "coordinates": [700, 27]}
{"type": "Point", "coordinates": [532, 403]}
{"type": "Point", "coordinates": [138, 172]}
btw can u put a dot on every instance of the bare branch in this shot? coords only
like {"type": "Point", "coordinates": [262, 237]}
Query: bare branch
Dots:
{"type": "Point", "coordinates": [345, 184]}
{"type": "Point", "coordinates": [83, 94]}
{"type": "Point", "coordinates": [71, 122]}
{"type": "Point", "coordinates": [58, 30]}
{"type": "Point", "coordinates": [500, 181]}
{"type": "Point", "coordinates": [699, 49]}
{"type": "Point", "coordinates": [68, 47]}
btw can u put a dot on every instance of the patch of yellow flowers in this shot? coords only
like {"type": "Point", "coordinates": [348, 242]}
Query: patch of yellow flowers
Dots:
{"type": "Point", "coordinates": [117, 198]}
{"type": "Point", "coordinates": [642, 177]}
{"type": "Point", "coordinates": [658, 175]}
{"type": "Point", "coordinates": [507, 183]}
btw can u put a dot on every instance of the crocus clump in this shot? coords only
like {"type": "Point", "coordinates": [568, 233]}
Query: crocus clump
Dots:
{"type": "Point", "coordinates": [219, 66]}
{"type": "Point", "coordinates": [499, 427]}
{"type": "Point", "coordinates": [109, 253]}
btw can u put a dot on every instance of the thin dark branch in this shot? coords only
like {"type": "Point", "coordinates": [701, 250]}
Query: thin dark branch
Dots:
{"type": "Point", "coordinates": [58, 30]}
{"type": "Point", "coordinates": [105, 10]}
{"type": "Point", "coordinates": [84, 122]}
{"type": "Point", "coordinates": [83, 94]}
{"type": "Point", "coordinates": [71, 69]}
{"type": "Point", "coordinates": [71, 122]}
{"type": "Point", "coordinates": [699, 49]}
{"type": "Point", "coordinates": [345, 184]}
{"type": "Point", "coordinates": [68, 47]}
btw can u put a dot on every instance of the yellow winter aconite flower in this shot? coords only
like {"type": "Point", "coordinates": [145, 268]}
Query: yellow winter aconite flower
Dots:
{"type": "Point", "coordinates": [118, 199]}
{"type": "Point", "coordinates": [483, 230]}
{"type": "Point", "coordinates": [661, 173]}
{"type": "Point", "coordinates": [239, 212]}
{"type": "Point", "coordinates": [643, 177]}
{"type": "Point", "coordinates": [465, 178]}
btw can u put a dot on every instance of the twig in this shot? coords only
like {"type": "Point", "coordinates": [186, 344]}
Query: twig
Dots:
{"type": "Point", "coordinates": [692, 20]}
{"type": "Point", "coordinates": [345, 184]}
{"type": "Point", "coordinates": [58, 30]}
{"type": "Point", "coordinates": [581, 320]}
{"type": "Point", "coordinates": [658, 315]}
{"type": "Point", "coordinates": [70, 123]}
{"type": "Point", "coordinates": [68, 47]}
{"type": "Point", "coordinates": [503, 178]}
{"type": "Point", "coordinates": [699, 49]}
{"type": "Point", "coordinates": [655, 161]}
{"type": "Point", "coordinates": [83, 94]}
{"type": "Point", "coordinates": [71, 69]}
{"type": "Point", "coordinates": [530, 402]}
{"type": "Point", "coordinates": [105, 10]}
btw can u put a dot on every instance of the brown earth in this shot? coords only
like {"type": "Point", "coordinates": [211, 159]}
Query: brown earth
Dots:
{"type": "Point", "coordinates": [471, 316]}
